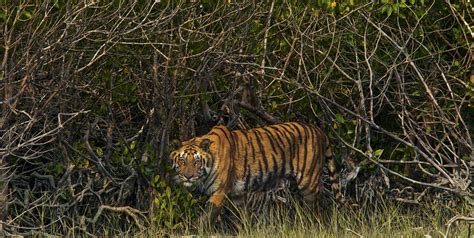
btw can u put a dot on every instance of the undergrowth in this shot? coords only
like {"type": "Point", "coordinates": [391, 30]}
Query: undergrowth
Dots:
{"type": "Point", "coordinates": [389, 219]}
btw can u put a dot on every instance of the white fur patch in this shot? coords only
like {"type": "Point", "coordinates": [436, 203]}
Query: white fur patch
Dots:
{"type": "Point", "coordinates": [187, 184]}
{"type": "Point", "coordinates": [239, 186]}
{"type": "Point", "coordinates": [211, 189]}
{"type": "Point", "coordinates": [207, 169]}
{"type": "Point", "coordinates": [298, 177]}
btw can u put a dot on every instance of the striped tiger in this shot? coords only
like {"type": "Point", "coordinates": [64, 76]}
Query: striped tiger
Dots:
{"type": "Point", "coordinates": [231, 163]}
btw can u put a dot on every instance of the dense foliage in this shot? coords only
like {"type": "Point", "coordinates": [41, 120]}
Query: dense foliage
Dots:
{"type": "Point", "coordinates": [92, 93]}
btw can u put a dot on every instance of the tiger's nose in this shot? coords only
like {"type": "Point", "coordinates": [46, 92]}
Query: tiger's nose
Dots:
{"type": "Point", "coordinates": [188, 177]}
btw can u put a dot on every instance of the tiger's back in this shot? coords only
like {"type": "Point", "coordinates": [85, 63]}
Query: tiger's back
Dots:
{"type": "Point", "coordinates": [264, 156]}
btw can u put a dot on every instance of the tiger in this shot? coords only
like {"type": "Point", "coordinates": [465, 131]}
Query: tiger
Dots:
{"type": "Point", "coordinates": [230, 163]}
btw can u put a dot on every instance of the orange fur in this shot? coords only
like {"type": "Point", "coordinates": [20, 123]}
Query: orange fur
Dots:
{"type": "Point", "coordinates": [232, 163]}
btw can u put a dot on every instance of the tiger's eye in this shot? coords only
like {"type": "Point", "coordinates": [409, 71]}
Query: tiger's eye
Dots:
{"type": "Point", "coordinates": [197, 159]}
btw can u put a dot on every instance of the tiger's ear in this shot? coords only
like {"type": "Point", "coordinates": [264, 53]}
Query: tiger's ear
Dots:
{"type": "Point", "coordinates": [205, 144]}
{"type": "Point", "coordinates": [175, 144]}
{"type": "Point", "coordinates": [172, 158]}
{"type": "Point", "coordinates": [173, 154]}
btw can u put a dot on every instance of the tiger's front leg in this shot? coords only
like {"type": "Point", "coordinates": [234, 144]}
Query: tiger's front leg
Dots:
{"type": "Point", "coordinates": [216, 203]}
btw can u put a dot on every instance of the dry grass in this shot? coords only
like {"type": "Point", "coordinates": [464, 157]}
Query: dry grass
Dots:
{"type": "Point", "coordinates": [388, 220]}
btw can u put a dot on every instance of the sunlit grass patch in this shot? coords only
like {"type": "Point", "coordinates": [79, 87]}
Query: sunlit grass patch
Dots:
{"type": "Point", "coordinates": [296, 220]}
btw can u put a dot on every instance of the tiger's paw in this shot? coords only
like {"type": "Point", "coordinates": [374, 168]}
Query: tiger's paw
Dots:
{"type": "Point", "coordinates": [205, 220]}
{"type": "Point", "coordinates": [209, 220]}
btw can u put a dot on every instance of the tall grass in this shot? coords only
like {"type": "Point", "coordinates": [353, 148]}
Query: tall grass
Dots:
{"type": "Point", "coordinates": [386, 220]}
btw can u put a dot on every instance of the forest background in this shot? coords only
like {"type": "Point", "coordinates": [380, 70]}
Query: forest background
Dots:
{"type": "Point", "coordinates": [92, 92]}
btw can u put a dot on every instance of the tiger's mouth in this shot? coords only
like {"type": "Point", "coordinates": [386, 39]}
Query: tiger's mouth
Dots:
{"type": "Point", "coordinates": [188, 182]}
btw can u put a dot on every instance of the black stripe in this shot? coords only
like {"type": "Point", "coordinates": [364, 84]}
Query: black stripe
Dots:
{"type": "Point", "coordinates": [212, 133]}
{"type": "Point", "coordinates": [245, 135]}
{"type": "Point", "coordinates": [269, 173]}
{"type": "Point", "coordinates": [317, 154]}
{"type": "Point", "coordinates": [246, 168]}
{"type": "Point", "coordinates": [261, 149]}
{"type": "Point", "coordinates": [253, 148]}
{"type": "Point", "coordinates": [258, 181]}
{"type": "Point", "coordinates": [212, 181]}
{"type": "Point", "coordinates": [316, 151]}
{"type": "Point", "coordinates": [225, 134]}
{"type": "Point", "coordinates": [281, 146]}
{"type": "Point", "coordinates": [210, 162]}
{"type": "Point", "coordinates": [296, 135]}
{"type": "Point", "coordinates": [231, 160]}
{"type": "Point", "coordinates": [294, 149]}
{"type": "Point", "coordinates": [314, 158]}
{"type": "Point", "coordinates": [247, 178]}
{"type": "Point", "coordinates": [268, 182]}
{"type": "Point", "coordinates": [250, 175]}
{"type": "Point", "coordinates": [272, 144]}
{"type": "Point", "coordinates": [290, 147]}
{"type": "Point", "coordinates": [305, 156]}
{"type": "Point", "coordinates": [296, 128]}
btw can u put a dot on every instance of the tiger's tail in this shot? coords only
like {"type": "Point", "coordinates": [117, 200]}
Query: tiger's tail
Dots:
{"type": "Point", "coordinates": [333, 175]}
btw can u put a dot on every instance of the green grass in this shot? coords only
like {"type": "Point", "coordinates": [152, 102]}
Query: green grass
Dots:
{"type": "Point", "coordinates": [387, 220]}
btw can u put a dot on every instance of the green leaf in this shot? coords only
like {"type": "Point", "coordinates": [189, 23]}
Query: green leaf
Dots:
{"type": "Point", "coordinates": [339, 118]}
{"type": "Point", "coordinates": [156, 179]}
{"type": "Point", "coordinates": [274, 105]}
{"type": "Point", "coordinates": [99, 151]}
{"type": "Point", "coordinates": [389, 11]}
{"type": "Point", "coordinates": [176, 226]}
{"type": "Point", "coordinates": [27, 15]}
{"type": "Point", "coordinates": [395, 7]}
{"type": "Point", "coordinates": [3, 17]}
{"type": "Point", "coordinates": [378, 153]}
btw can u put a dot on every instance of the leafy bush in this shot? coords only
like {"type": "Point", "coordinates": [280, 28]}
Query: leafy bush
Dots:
{"type": "Point", "coordinates": [94, 91]}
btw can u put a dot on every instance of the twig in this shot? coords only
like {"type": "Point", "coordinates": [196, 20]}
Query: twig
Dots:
{"type": "Point", "coordinates": [126, 209]}
{"type": "Point", "coordinates": [259, 112]}
{"type": "Point", "coordinates": [355, 233]}
{"type": "Point", "coordinates": [469, 220]}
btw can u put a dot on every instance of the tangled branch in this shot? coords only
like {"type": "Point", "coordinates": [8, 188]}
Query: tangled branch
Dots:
{"type": "Point", "coordinates": [92, 93]}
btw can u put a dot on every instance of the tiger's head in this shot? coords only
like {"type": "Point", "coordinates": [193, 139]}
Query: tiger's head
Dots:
{"type": "Point", "coordinates": [191, 161]}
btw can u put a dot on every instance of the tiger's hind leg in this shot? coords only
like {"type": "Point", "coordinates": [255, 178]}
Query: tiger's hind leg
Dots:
{"type": "Point", "coordinates": [310, 188]}
{"type": "Point", "coordinates": [311, 197]}
{"type": "Point", "coordinates": [318, 205]}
